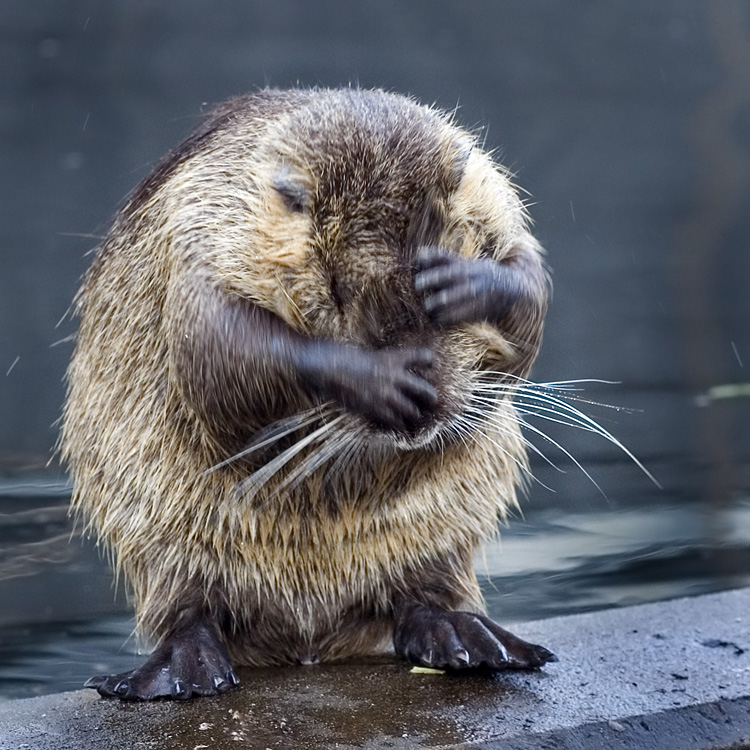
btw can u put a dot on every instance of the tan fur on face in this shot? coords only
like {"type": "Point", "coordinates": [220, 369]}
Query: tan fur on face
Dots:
{"type": "Point", "coordinates": [314, 567]}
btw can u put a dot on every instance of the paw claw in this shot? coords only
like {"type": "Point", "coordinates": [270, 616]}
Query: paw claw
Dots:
{"type": "Point", "coordinates": [221, 685]}
{"type": "Point", "coordinates": [461, 658]}
{"type": "Point", "coordinates": [232, 678]}
{"type": "Point", "coordinates": [428, 657]}
{"type": "Point", "coordinates": [122, 688]}
{"type": "Point", "coordinates": [180, 691]}
{"type": "Point", "coordinates": [545, 656]}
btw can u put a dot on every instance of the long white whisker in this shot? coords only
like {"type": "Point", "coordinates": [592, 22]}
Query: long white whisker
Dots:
{"type": "Point", "coordinates": [462, 431]}
{"type": "Point", "coordinates": [340, 462]}
{"type": "Point", "coordinates": [562, 387]}
{"type": "Point", "coordinates": [251, 484]}
{"type": "Point", "coordinates": [577, 418]}
{"type": "Point", "coordinates": [497, 423]}
{"type": "Point", "coordinates": [566, 384]}
{"type": "Point", "coordinates": [477, 419]}
{"type": "Point", "coordinates": [334, 444]}
{"type": "Point", "coordinates": [350, 454]}
{"type": "Point", "coordinates": [522, 466]}
{"type": "Point", "coordinates": [542, 411]}
{"type": "Point", "coordinates": [557, 445]}
{"type": "Point", "coordinates": [593, 426]}
{"type": "Point", "coordinates": [559, 397]}
{"type": "Point", "coordinates": [275, 432]}
{"type": "Point", "coordinates": [546, 437]}
{"type": "Point", "coordinates": [561, 384]}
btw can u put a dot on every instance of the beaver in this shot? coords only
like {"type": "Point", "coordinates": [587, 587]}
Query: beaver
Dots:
{"type": "Point", "coordinates": [275, 419]}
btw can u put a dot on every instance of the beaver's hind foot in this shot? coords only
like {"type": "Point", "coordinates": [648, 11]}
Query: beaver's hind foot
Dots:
{"type": "Point", "coordinates": [435, 637]}
{"type": "Point", "coordinates": [190, 662]}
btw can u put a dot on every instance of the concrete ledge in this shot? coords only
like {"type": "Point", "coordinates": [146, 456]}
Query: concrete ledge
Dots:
{"type": "Point", "coordinates": [662, 676]}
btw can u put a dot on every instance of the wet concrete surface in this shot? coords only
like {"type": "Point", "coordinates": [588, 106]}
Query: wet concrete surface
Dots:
{"type": "Point", "coordinates": [667, 675]}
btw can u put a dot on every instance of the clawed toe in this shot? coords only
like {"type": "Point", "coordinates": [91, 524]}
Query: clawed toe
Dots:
{"type": "Point", "coordinates": [95, 682]}
{"type": "Point", "coordinates": [543, 655]}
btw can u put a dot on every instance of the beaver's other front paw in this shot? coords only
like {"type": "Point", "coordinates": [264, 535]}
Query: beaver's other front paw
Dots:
{"type": "Point", "coordinates": [456, 290]}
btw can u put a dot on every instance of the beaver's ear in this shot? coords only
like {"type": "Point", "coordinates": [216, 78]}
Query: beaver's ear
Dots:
{"type": "Point", "coordinates": [292, 191]}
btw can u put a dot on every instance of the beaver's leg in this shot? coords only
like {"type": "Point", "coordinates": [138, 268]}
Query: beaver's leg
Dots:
{"type": "Point", "coordinates": [241, 358]}
{"type": "Point", "coordinates": [190, 661]}
{"type": "Point", "coordinates": [435, 637]}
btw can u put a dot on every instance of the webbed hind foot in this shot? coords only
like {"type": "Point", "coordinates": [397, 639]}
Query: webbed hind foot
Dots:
{"type": "Point", "coordinates": [189, 663]}
{"type": "Point", "coordinates": [435, 637]}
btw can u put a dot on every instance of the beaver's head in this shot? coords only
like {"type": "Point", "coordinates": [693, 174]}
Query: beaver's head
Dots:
{"type": "Point", "coordinates": [351, 186]}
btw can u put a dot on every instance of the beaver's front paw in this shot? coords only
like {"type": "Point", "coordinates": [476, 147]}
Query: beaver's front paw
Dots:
{"type": "Point", "coordinates": [192, 662]}
{"type": "Point", "coordinates": [398, 394]}
{"type": "Point", "coordinates": [456, 290]}
{"type": "Point", "coordinates": [435, 637]}
{"type": "Point", "coordinates": [387, 386]}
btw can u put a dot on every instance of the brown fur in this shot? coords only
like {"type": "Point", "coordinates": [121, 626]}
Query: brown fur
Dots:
{"type": "Point", "coordinates": [315, 567]}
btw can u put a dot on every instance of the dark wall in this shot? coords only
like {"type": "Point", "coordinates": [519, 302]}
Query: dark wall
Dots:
{"type": "Point", "coordinates": [628, 122]}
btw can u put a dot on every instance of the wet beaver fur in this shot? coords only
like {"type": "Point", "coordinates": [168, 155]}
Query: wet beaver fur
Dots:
{"type": "Point", "coordinates": [274, 418]}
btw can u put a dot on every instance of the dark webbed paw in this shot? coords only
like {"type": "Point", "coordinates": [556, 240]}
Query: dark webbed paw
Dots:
{"type": "Point", "coordinates": [458, 290]}
{"type": "Point", "coordinates": [388, 386]}
{"type": "Point", "coordinates": [189, 663]}
{"type": "Point", "coordinates": [462, 640]}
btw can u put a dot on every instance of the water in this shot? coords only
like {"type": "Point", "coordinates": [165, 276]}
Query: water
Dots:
{"type": "Point", "coordinates": [66, 622]}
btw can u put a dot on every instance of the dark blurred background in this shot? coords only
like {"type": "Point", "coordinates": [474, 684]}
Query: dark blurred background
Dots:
{"type": "Point", "coordinates": [627, 122]}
